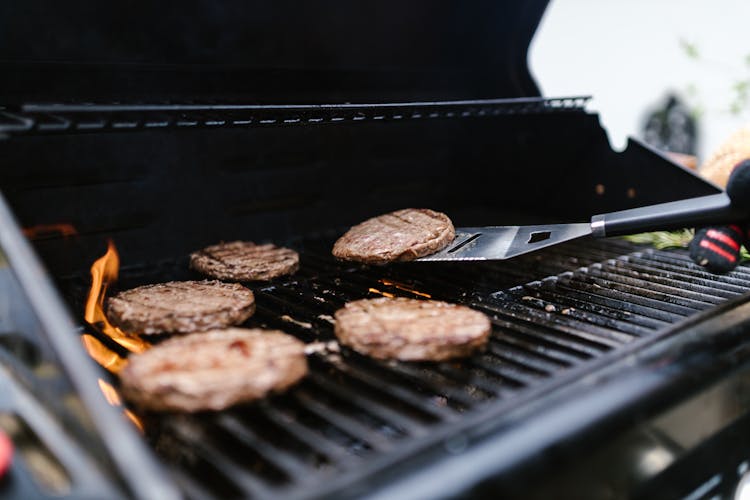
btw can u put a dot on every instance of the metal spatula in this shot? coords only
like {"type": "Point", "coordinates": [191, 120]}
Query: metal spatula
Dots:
{"type": "Point", "coordinates": [504, 242]}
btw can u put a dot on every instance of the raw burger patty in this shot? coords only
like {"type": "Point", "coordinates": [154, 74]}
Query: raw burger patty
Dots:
{"type": "Point", "coordinates": [181, 307]}
{"type": "Point", "coordinates": [244, 261]}
{"type": "Point", "coordinates": [398, 236]}
{"type": "Point", "coordinates": [410, 329]}
{"type": "Point", "coordinates": [213, 370]}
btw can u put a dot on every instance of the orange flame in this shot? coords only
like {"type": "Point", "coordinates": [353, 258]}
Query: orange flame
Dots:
{"type": "Point", "coordinates": [110, 393]}
{"type": "Point", "coordinates": [133, 418]}
{"type": "Point", "coordinates": [102, 354]}
{"type": "Point", "coordinates": [103, 272]}
{"type": "Point", "coordinates": [384, 294]}
{"type": "Point", "coordinates": [404, 287]}
{"type": "Point", "coordinates": [49, 231]}
{"type": "Point", "coordinates": [113, 398]}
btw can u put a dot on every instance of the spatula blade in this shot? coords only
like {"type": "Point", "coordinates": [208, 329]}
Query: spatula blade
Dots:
{"type": "Point", "coordinates": [504, 242]}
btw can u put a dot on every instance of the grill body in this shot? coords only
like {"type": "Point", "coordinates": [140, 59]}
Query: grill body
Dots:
{"type": "Point", "coordinates": [613, 370]}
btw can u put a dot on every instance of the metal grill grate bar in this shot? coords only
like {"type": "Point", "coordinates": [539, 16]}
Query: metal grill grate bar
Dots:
{"type": "Point", "coordinates": [280, 458]}
{"type": "Point", "coordinates": [597, 337]}
{"type": "Point", "coordinates": [617, 301]}
{"type": "Point", "coordinates": [351, 426]}
{"type": "Point", "coordinates": [398, 421]}
{"type": "Point", "coordinates": [437, 383]}
{"type": "Point", "coordinates": [681, 258]}
{"type": "Point", "coordinates": [519, 352]}
{"type": "Point", "coordinates": [664, 300]}
{"type": "Point", "coordinates": [405, 395]}
{"type": "Point", "coordinates": [618, 292]}
{"type": "Point", "coordinates": [737, 283]}
{"type": "Point", "coordinates": [584, 312]}
{"type": "Point", "coordinates": [334, 452]}
{"type": "Point", "coordinates": [670, 284]}
{"type": "Point", "coordinates": [231, 475]}
{"type": "Point", "coordinates": [507, 372]}
{"type": "Point", "coordinates": [543, 341]}
{"type": "Point", "coordinates": [590, 304]}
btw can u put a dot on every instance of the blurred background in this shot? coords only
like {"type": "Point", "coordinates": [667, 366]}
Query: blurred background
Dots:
{"type": "Point", "coordinates": [674, 72]}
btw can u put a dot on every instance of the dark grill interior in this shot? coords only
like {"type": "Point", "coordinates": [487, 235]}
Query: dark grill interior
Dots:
{"type": "Point", "coordinates": [557, 315]}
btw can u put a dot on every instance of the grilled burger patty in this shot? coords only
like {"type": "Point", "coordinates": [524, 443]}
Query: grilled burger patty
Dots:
{"type": "Point", "coordinates": [181, 307]}
{"type": "Point", "coordinates": [244, 261]}
{"type": "Point", "coordinates": [213, 370]}
{"type": "Point", "coordinates": [410, 329]}
{"type": "Point", "coordinates": [398, 236]}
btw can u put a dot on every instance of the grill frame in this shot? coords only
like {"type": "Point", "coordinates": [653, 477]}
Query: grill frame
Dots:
{"type": "Point", "coordinates": [469, 281]}
{"type": "Point", "coordinates": [143, 479]}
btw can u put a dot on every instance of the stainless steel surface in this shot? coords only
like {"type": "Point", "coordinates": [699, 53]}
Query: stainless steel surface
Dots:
{"type": "Point", "coordinates": [598, 229]}
{"type": "Point", "coordinates": [504, 242]}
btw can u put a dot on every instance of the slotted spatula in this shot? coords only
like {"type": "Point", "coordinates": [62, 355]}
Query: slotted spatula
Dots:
{"type": "Point", "coordinates": [504, 242]}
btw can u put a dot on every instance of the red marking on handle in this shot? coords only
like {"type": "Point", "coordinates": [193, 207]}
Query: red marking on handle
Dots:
{"type": "Point", "coordinates": [718, 235]}
{"type": "Point", "coordinates": [718, 250]}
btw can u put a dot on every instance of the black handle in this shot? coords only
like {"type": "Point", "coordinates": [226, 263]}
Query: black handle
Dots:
{"type": "Point", "coordinates": [711, 209]}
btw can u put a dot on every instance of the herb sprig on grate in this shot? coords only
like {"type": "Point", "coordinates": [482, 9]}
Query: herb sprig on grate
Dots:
{"type": "Point", "coordinates": [671, 239]}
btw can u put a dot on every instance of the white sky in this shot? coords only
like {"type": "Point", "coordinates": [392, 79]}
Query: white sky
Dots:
{"type": "Point", "coordinates": [627, 54]}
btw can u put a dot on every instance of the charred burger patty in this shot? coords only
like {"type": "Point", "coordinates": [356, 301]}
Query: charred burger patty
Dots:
{"type": "Point", "coordinates": [397, 236]}
{"type": "Point", "coordinates": [245, 261]}
{"type": "Point", "coordinates": [411, 329]}
{"type": "Point", "coordinates": [213, 370]}
{"type": "Point", "coordinates": [181, 307]}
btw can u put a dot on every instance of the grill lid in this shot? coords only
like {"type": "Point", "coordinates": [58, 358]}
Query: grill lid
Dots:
{"type": "Point", "coordinates": [282, 51]}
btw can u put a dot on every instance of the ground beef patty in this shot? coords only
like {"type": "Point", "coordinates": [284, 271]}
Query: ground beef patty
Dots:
{"type": "Point", "coordinates": [410, 329]}
{"type": "Point", "coordinates": [398, 236]}
{"type": "Point", "coordinates": [244, 261]}
{"type": "Point", "coordinates": [213, 370]}
{"type": "Point", "coordinates": [181, 307]}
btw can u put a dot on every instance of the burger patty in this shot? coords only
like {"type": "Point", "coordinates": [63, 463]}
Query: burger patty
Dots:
{"type": "Point", "coordinates": [181, 307]}
{"type": "Point", "coordinates": [244, 261]}
{"type": "Point", "coordinates": [410, 329]}
{"type": "Point", "coordinates": [397, 236]}
{"type": "Point", "coordinates": [213, 370]}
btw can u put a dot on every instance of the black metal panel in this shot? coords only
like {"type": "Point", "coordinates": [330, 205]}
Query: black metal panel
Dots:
{"type": "Point", "coordinates": [180, 187]}
{"type": "Point", "coordinates": [266, 52]}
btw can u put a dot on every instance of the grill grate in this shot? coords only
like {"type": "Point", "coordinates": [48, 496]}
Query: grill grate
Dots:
{"type": "Point", "coordinates": [552, 311]}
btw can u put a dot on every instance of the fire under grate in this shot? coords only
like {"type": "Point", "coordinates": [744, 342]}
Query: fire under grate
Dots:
{"type": "Point", "coordinates": [553, 312]}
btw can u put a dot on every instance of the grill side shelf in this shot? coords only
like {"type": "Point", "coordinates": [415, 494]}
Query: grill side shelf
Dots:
{"type": "Point", "coordinates": [39, 118]}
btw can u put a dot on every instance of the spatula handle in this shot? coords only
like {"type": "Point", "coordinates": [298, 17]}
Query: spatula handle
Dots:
{"type": "Point", "coordinates": [711, 209]}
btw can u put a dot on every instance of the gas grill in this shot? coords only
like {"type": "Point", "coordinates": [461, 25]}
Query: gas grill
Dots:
{"type": "Point", "coordinates": [613, 370]}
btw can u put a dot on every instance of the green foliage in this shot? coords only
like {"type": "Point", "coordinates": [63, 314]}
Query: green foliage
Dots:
{"type": "Point", "coordinates": [741, 96]}
{"type": "Point", "coordinates": [739, 91]}
{"type": "Point", "coordinates": [691, 50]}
{"type": "Point", "coordinates": [671, 239]}
{"type": "Point", "coordinates": [663, 239]}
